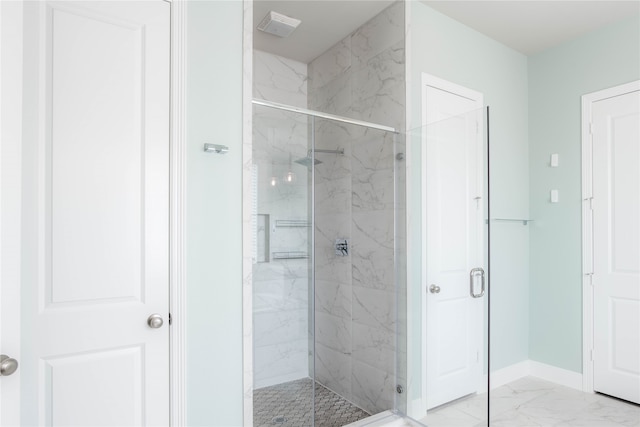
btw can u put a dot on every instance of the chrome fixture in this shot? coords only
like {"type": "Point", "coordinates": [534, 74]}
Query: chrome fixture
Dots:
{"type": "Point", "coordinates": [319, 150]}
{"type": "Point", "coordinates": [216, 148]}
{"type": "Point", "coordinates": [434, 289]}
{"type": "Point", "coordinates": [322, 115]}
{"type": "Point", "coordinates": [290, 255]}
{"type": "Point", "coordinates": [476, 272]}
{"type": "Point", "coordinates": [155, 321]}
{"type": "Point", "coordinates": [342, 247]}
{"type": "Point", "coordinates": [8, 365]}
{"type": "Point", "coordinates": [306, 161]}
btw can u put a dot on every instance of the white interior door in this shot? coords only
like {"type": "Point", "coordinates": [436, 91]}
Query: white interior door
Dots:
{"type": "Point", "coordinates": [453, 226]}
{"type": "Point", "coordinates": [616, 245]}
{"type": "Point", "coordinates": [94, 204]}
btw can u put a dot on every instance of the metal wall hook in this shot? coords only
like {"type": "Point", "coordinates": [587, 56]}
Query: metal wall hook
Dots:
{"type": "Point", "coordinates": [216, 148]}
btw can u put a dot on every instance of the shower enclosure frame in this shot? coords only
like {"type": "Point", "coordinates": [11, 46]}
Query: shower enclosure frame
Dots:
{"type": "Point", "coordinates": [312, 114]}
{"type": "Point", "coordinates": [322, 115]}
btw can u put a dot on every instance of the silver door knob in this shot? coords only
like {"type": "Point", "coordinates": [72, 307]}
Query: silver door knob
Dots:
{"type": "Point", "coordinates": [7, 365]}
{"type": "Point", "coordinates": [434, 289]}
{"type": "Point", "coordinates": [155, 321]}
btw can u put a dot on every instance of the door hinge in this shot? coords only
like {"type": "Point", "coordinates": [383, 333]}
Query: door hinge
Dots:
{"type": "Point", "coordinates": [591, 128]}
{"type": "Point", "coordinates": [477, 355]}
{"type": "Point", "coordinates": [591, 354]}
{"type": "Point", "coordinates": [590, 201]}
{"type": "Point", "coordinates": [170, 319]}
{"type": "Point", "coordinates": [590, 278]}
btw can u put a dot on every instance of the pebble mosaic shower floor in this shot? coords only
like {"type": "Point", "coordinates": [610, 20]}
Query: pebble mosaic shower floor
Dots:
{"type": "Point", "coordinates": [289, 405]}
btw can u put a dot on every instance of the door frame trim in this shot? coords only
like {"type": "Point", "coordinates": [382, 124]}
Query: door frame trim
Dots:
{"type": "Point", "coordinates": [587, 224]}
{"type": "Point", "coordinates": [11, 71]}
{"type": "Point", "coordinates": [177, 216]}
{"type": "Point", "coordinates": [478, 97]}
{"type": "Point", "coordinates": [247, 213]}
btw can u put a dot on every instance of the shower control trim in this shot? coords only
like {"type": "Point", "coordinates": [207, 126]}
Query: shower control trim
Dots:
{"type": "Point", "coordinates": [342, 247]}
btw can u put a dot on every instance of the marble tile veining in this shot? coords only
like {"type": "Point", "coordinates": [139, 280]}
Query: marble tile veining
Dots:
{"type": "Point", "coordinates": [531, 401]}
{"type": "Point", "coordinates": [377, 35]}
{"type": "Point", "coordinates": [279, 79]}
{"type": "Point", "coordinates": [373, 346]}
{"type": "Point", "coordinates": [331, 64]}
{"type": "Point", "coordinates": [372, 388]}
{"type": "Point", "coordinates": [360, 77]}
{"type": "Point", "coordinates": [280, 287]}
{"type": "Point", "coordinates": [333, 369]}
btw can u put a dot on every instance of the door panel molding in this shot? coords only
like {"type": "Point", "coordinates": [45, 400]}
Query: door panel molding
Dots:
{"type": "Point", "coordinates": [587, 226]}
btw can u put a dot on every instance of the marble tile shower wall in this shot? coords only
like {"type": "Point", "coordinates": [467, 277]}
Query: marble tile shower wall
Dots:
{"type": "Point", "coordinates": [280, 286]}
{"type": "Point", "coordinates": [361, 77]}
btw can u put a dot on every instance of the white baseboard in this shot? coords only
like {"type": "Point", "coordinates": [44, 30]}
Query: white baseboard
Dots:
{"type": "Point", "coordinates": [556, 375]}
{"type": "Point", "coordinates": [536, 369]}
{"type": "Point", "coordinates": [417, 408]}
{"type": "Point", "coordinates": [510, 373]}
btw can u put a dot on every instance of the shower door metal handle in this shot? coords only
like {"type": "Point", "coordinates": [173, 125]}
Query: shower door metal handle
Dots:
{"type": "Point", "coordinates": [476, 272]}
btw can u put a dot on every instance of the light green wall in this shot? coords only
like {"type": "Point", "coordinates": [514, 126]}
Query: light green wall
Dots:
{"type": "Point", "coordinates": [214, 229]}
{"type": "Point", "coordinates": [558, 78]}
{"type": "Point", "coordinates": [447, 49]}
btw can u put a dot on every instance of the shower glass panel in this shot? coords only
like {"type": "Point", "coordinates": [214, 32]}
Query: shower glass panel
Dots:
{"type": "Point", "coordinates": [328, 285]}
{"type": "Point", "coordinates": [282, 269]}
{"type": "Point", "coordinates": [450, 300]}
{"type": "Point", "coordinates": [356, 264]}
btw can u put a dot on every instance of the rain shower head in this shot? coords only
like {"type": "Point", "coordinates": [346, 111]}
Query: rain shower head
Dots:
{"type": "Point", "coordinates": [306, 161]}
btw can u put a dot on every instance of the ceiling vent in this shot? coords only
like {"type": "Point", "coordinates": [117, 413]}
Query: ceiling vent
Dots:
{"type": "Point", "coordinates": [278, 24]}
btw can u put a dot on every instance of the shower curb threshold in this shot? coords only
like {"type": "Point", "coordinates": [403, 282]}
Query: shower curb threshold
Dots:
{"type": "Point", "coordinates": [386, 419]}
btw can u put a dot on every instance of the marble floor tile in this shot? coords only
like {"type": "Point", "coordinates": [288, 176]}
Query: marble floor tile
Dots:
{"type": "Point", "coordinates": [534, 402]}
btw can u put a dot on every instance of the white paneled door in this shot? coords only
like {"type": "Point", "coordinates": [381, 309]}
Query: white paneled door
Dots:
{"type": "Point", "coordinates": [454, 240]}
{"type": "Point", "coordinates": [94, 190]}
{"type": "Point", "coordinates": [616, 245]}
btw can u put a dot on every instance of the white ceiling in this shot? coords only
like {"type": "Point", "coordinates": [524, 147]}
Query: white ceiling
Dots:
{"type": "Point", "coordinates": [533, 26]}
{"type": "Point", "coordinates": [324, 23]}
{"type": "Point", "coordinates": [526, 26]}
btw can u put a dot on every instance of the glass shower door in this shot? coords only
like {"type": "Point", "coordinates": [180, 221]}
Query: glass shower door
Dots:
{"type": "Point", "coordinates": [450, 381]}
{"type": "Point", "coordinates": [282, 269]}
{"type": "Point", "coordinates": [356, 287]}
